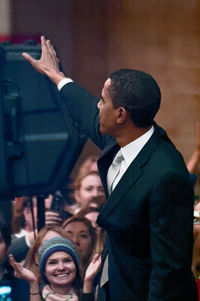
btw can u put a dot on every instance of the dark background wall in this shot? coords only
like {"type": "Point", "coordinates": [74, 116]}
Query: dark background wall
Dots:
{"type": "Point", "coordinates": [95, 37]}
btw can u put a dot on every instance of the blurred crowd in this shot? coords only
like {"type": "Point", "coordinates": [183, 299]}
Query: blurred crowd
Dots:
{"type": "Point", "coordinates": [70, 213]}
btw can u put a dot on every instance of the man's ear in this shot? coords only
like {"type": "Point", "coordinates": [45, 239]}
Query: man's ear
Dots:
{"type": "Point", "coordinates": [121, 115]}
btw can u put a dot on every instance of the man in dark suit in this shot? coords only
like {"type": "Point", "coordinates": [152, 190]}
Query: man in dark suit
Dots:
{"type": "Point", "coordinates": [148, 215]}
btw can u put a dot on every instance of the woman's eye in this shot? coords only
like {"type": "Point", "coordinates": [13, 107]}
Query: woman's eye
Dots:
{"type": "Point", "coordinates": [100, 189]}
{"type": "Point", "coordinates": [69, 233]}
{"type": "Point", "coordinates": [83, 236]}
{"type": "Point", "coordinates": [68, 260]}
{"type": "Point", "coordinates": [52, 262]}
{"type": "Point", "coordinates": [88, 188]}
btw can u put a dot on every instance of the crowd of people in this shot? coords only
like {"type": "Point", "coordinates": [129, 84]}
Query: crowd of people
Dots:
{"type": "Point", "coordinates": [83, 239]}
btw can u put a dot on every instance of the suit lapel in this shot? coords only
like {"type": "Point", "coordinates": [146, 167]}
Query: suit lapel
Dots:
{"type": "Point", "coordinates": [132, 174]}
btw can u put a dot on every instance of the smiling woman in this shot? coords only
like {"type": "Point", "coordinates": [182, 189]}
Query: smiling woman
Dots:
{"type": "Point", "coordinates": [58, 263]}
{"type": "Point", "coordinates": [61, 272]}
{"type": "Point", "coordinates": [59, 269]}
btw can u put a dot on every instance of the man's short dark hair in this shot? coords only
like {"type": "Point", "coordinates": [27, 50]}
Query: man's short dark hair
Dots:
{"type": "Point", "coordinates": [138, 93]}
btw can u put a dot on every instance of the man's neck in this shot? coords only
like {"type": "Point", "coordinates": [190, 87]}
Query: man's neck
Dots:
{"type": "Point", "coordinates": [128, 135]}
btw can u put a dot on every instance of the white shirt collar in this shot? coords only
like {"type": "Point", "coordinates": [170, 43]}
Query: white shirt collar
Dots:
{"type": "Point", "coordinates": [131, 150]}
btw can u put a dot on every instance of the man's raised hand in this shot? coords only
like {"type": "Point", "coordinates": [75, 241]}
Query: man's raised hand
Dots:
{"type": "Point", "coordinates": [48, 64]}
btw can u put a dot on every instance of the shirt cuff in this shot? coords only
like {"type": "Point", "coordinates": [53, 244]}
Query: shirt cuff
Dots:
{"type": "Point", "coordinates": [63, 82]}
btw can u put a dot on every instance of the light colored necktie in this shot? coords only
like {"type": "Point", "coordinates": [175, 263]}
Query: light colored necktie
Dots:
{"type": "Point", "coordinates": [112, 180]}
{"type": "Point", "coordinates": [114, 171]}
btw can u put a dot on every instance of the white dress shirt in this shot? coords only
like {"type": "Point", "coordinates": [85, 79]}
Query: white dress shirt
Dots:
{"type": "Point", "coordinates": [130, 152]}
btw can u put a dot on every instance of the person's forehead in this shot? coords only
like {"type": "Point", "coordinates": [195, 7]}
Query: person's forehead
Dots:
{"type": "Point", "coordinates": [50, 234]}
{"type": "Point", "coordinates": [91, 179]}
{"type": "Point", "coordinates": [77, 226]}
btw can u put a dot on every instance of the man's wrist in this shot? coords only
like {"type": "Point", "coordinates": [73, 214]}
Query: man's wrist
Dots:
{"type": "Point", "coordinates": [55, 76]}
{"type": "Point", "coordinates": [63, 82]}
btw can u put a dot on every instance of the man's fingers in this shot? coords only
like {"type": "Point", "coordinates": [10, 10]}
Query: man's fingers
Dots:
{"type": "Point", "coordinates": [43, 43]}
{"type": "Point", "coordinates": [28, 58]}
{"type": "Point", "coordinates": [51, 48]}
{"type": "Point", "coordinates": [35, 63]}
{"type": "Point", "coordinates": [48, 60]}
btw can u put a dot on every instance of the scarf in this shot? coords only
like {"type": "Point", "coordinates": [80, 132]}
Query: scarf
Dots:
{"type": "Point", "coordinates": [49, 295]}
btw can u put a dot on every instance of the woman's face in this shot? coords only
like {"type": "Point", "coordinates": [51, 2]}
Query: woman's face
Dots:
{"type": "Point", "coordinates": [79, 234]}
{"type": "Point", "coordinates": [90, 188]}
{"type": "Point", "coordinates": [60, 269]}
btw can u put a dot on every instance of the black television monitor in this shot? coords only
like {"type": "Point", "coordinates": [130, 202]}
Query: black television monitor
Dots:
{"type": "Point", "coordinates": [39, 142]}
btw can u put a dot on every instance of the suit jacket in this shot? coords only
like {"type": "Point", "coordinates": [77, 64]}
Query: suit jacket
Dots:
{"type": "Point", "coordinates": [148, 216]}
